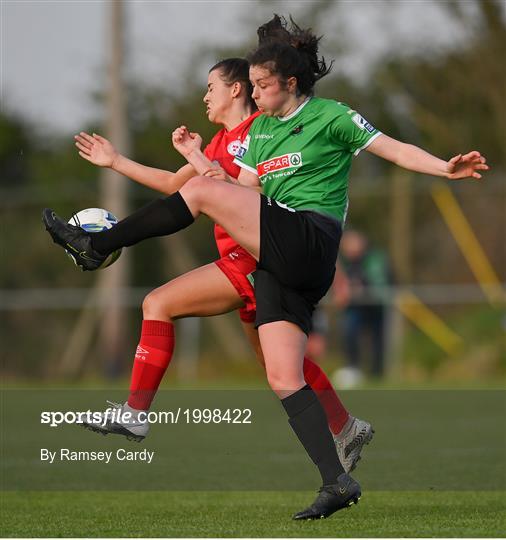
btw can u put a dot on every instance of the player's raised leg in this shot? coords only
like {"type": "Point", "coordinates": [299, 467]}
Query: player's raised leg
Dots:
{"type": "Point", "coordinates": [235, 208]}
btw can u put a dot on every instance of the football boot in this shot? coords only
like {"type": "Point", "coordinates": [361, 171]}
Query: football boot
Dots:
{"type": "Point", "coordinates": [332, 498]}
{"type": "Point", "coordinates": [112, 421]}
{"type": "Point", "coordinates": [75, 240]}
{"type": "Point", "coordinates": [349, 443]}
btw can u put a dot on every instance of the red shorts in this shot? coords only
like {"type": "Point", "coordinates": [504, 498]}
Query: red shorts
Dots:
{"type": "Point", "coordinates": [238, 266]}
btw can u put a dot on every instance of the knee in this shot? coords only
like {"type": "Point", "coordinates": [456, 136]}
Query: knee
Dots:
{"type": "Point", "coordinates": [275, 380]}
{"type": "Point", "coordinates": [194, 188]}
{"type": "Point", "coordinates": [153, 308]}
{"type": "Point", "coordinates": [281, 382]}
{"type": "Point", "coordinates": [201, 192]}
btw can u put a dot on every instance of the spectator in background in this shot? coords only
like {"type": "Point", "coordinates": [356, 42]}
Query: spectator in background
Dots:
{"type": "Point", "coordinates": [360, 290]}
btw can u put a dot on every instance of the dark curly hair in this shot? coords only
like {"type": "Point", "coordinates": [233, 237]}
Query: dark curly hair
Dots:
{"type": "Point", "coordinates": [287, 50]}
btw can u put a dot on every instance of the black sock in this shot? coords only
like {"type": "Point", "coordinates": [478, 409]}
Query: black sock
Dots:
{"type": "Point", "coordinates": [308, 420]}
{"type": "Point", "coordinates": [158, 218]}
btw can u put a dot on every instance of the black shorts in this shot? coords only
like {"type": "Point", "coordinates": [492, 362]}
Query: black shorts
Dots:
{"type": "Point", "coordinates": [296, 267]}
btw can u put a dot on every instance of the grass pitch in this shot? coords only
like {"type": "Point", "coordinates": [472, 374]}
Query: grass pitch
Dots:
{"type": "Point", "coordinates": [249, 514]}
{"type": "Point", "coordinates": [431, 454]}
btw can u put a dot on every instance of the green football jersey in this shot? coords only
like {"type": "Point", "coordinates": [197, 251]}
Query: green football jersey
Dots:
{"type": "Point", "coordinates": [303, 160]}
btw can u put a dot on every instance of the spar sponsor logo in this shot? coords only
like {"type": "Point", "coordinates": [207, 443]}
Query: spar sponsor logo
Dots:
{"type": "Point", "coordinates": [287, 161]}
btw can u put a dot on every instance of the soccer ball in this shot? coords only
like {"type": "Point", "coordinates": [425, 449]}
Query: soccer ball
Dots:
{"type": "Point", "coordinates": [96, 220]}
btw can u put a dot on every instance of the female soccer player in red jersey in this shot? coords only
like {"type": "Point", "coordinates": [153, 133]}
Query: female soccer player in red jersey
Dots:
{"type": "Point", "coordinates": [216, 288]}
{"type": "Point", "coordinates": [300, 150]}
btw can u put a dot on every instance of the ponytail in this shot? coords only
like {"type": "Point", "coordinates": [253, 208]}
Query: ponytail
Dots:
{"type": "Point", "coordinates": [290, 52]}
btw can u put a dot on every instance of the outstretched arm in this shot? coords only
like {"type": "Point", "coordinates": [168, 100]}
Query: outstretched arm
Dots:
{"type": "Point", "coordinates": [415, 159]}
{"type": "Point", "coordinates": [99, 151]}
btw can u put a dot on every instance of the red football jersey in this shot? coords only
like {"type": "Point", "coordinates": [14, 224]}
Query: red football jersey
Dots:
{"type": "Point", "coordinates": [222, 149]}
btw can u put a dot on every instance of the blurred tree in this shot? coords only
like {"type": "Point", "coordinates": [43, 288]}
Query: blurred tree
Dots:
{"type": "Point", "coordinates": [14, 143]}
{"type": "Point", "coordinates": [407, 97]}
{"type": "Point", "coordinates": [448, 102]}
{"type": "Point", "coordinates": [417, 89]}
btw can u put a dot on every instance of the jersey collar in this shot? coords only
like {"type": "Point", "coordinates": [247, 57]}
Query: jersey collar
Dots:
{"type": "Point", "coordinates": [295, 112]}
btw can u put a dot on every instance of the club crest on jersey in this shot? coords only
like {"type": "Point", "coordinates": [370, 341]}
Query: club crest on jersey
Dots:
{"type": "Point", "coordinates": [234, 147]}
{"type": "Point", "coordinates": [243, 147]}
{"type": "Point", "coordinates": [240, 153]}
{"type": "Point", "coordinates": [279, 163]}
{"type": "Point", "coordinates": [362, 123]}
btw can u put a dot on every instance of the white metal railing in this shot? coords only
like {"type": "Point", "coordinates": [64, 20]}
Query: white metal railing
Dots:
{"type": "Point", "coordinates": [77, 298]}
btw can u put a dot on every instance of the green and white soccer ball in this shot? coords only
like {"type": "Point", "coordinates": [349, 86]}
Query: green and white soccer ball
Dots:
{"type": "Point", "coordinates": [95, 220]}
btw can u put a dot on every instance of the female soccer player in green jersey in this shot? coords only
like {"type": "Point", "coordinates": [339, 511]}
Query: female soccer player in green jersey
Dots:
{"type": "Point", "coordinates": [300, 152]}
{"type": "Point", "coordinates": [213, 288]}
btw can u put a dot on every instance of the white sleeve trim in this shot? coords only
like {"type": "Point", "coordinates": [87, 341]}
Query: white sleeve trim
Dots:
{"type": "Point", "coordinates": [244, 166]}
{"type": "Point", "coordinates": [373, 138]}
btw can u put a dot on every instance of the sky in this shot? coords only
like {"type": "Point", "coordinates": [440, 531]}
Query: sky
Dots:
{"type": "Point", "coordinates": [53, 54]}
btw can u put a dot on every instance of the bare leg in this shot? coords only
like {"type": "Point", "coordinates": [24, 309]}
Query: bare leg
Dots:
{"type": "Point", "coordinates": [283, 345]}
{"type": "Point", "coordinates": [235, 208]}
{"type": "Point", "coordinates": [202, 292]}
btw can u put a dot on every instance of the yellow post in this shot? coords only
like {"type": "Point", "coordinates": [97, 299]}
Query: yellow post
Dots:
{"type": "Point", "coordinates": [467, 242]}
{"type": "Point", "coordinates": [435, 328]}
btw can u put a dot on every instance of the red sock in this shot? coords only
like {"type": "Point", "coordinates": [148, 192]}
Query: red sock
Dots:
{"type": "Point", "coordinates": [336, 413]}
{"type": "Point", "coordinates": [152, 357]}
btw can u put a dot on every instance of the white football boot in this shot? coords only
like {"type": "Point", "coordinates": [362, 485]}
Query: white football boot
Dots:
{"type": "Point", "coordinates": [113, 420]}
{"type": "Point", "coordinates": [349, 443]}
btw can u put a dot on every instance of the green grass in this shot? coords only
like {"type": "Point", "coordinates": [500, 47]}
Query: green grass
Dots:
{"type": "Point", "coordinates": [248, 514]}
{"type": "Point", "coordinates": [431, 451]}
